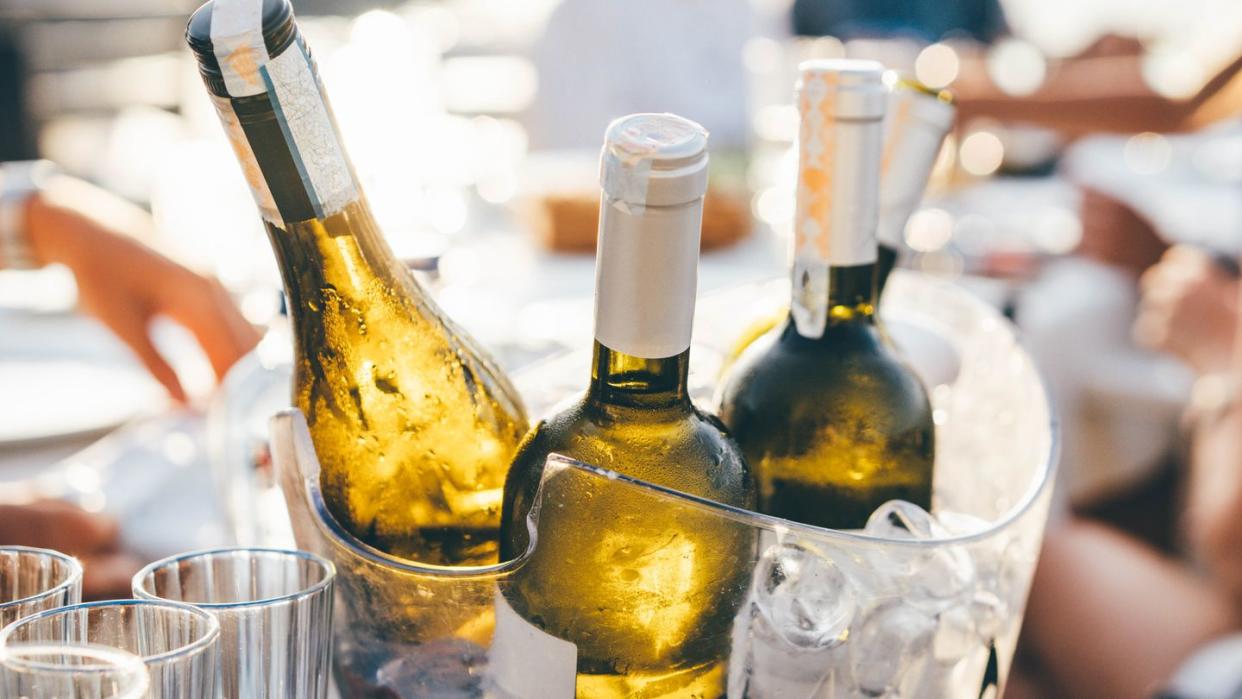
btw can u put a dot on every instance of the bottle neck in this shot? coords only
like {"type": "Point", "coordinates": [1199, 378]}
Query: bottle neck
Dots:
{"type": "Point", "coordinates": [851, 295]}
{"type": "Point", "coordinates": [834, 253]}
{"type": "Point", "coordinates": [290, 149]}
{"type": "Point", "coordinates": [646, 278]}
{"type": "Point", "coordinates": [624, 380]}
{"type": "Point", "coordinates": [850, 325]}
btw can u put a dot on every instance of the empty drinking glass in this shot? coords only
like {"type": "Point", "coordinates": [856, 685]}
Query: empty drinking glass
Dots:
{"type": "Point", "coordinates": [275, 613]}
{"type": "Point", "coordinates": [70, 672]}
{"type": "Point", "coordinates": [178, 643]}
{"type": "Point", "coordinates": [32, 580]}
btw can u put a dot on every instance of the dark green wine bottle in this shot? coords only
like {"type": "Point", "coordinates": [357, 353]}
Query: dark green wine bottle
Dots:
{"type": "Point", "coordinates": [829, 418]}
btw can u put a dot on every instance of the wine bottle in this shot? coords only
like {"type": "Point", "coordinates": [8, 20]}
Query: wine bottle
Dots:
{"type": "Point", "coordinates": [831, 421]}
{"type": "Point", "coordinates": [414, 425]}
{"type": "Point", "coordinates": [648, 600]}
{"type": "Point", "coordinates": [917, 122]}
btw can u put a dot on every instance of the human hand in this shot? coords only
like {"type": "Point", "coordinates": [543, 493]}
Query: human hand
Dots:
{"type": "Point", "coordinates": [1189, 308]}
{"type": "Point", "coordinates": [94, 539]}
{"type": "Point", "coordinates": [126, 284]}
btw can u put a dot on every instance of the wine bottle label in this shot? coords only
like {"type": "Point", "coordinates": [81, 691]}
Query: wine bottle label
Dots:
{"type": "Point", "coordinates": [646, 276]}
{"type": "Point", "coordinates": [306, 127]}
{"type": "Point", "coordinates": [526, 662]}
{"type": "Point", "coordinates": [838, 176]}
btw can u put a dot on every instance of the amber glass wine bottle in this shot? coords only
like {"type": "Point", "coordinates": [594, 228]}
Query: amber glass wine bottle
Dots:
{"type": "Point", "coordinates": [646, 596]}
{"type": "Point", "coordinates": [414, 425]}
{"type": "Point", "coordinates": [917, 122]}
{"type": "Point", "coordinates": [829, 418]}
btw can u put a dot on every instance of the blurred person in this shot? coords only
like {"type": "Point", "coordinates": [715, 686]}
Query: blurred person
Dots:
{"type": "Point", "coordinates": [1108, 615]}
{"type": "Point", "coordinates": [49, 218]}
{"type": "Point", "coordinates": [600, 59]}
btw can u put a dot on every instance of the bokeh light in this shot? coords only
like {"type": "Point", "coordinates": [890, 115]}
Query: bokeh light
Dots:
{"type": "Point", "coordinates": [1176, 74]}
{"type": "Point", "coordinates": [929, 230]}
{"type": "Point", "coordinates": [1016, 66]}
{"type": "Point", "coordinates": [981, 153]}
{"type": "Point", "coordinates": [1147, 153]}
{"type": "Point", "coordinates": [937, 66]}
{"type": "Point", "coordinates": [1057, 231]}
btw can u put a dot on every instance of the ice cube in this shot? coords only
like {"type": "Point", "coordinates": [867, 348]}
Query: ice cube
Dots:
{"type": "Point", "coordinates": [931, 577]}
{"type": "Point", "coordinates": [774, 670]}
{"type": "Point", "coordinates": [899, 519]}
{"type": "Point", "coordinates": [804, 596]}
{"type": "Point", "coordinates": [889, 645]}
{"type": "Point", "coordinates": [955, 636]}
{"type": "Point", "coordinates": [989, 612]}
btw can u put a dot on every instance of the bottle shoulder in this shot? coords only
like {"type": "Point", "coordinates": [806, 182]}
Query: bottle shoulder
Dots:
{"type": "Point", "coordinates": [686, 450]}
{"type": "Point", "coordinates": [798, 380]}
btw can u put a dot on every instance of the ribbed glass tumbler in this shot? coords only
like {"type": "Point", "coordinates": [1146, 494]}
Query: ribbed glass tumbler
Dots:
{"type": "Point", "coordinates": [33, 580]}
{"type": "Point", "coordinates": [275, 613]}
{"type": "Point", "coordinates": [70, 672]}
{"type": "Point", "coordinates": [178, 643]}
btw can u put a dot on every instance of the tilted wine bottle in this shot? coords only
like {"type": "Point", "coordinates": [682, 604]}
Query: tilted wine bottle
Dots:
{"type": "Point", "coordinates": [918, 120]}
{"type": "Point", "coordinates": [647, 597]}
{"type": "Point", "coordinates": [829, 418]}
{"type": "Point", "coordinates": [414, 426]}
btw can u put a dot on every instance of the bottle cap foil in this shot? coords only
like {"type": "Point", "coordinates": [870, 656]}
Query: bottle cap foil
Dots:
{"type": "Point", "coordinates": [654, 160]}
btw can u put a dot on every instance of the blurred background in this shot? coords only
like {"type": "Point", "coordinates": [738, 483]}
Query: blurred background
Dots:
{"type": "Point", "coordinates": [1093, 136]}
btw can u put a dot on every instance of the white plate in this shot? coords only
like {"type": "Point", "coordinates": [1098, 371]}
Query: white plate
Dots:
{"type": "Point", "coordinates": [54, 399]}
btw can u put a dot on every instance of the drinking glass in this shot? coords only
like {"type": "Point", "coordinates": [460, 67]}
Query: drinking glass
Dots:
{"type": "Point", "coordinates": [177, 643]}
{"type": "Point", "coordinates": [32, 580]}
{"type": "Point", "coordinates": [275, 613]}
{"type": "Point", "coordinates": [70, 672]}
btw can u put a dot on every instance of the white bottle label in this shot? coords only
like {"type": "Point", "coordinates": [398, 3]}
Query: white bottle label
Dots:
{"type": "Point", "coordinates": [526, 662]}
{"type": "Point", "coordinates": [308, 128]}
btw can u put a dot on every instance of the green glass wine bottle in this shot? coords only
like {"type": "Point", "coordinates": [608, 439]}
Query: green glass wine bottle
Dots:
{"type": "Point", "coordinates": [829, 418]}
{"type": "Point", "coordinates": [646, 596]}
{"type": "Point", "coordinates": [414, 425]}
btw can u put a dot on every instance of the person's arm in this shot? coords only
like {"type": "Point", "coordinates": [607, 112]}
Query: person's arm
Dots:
{"type": "Point", "coordinates": [124, 282]}
{"type": "Point", "coordinates": [1190, 307]}
{"type": "Point", "coordinates": [1111, 617]}
{"type": "Point", "coordinates": [92, 538]}
{"type": "Point", "coordinates": [1099, 93]}
{"type": "Point", "coordinates": [1214, 505]}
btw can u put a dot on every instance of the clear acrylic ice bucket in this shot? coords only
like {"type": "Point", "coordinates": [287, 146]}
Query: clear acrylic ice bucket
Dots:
{"type": "Point", "coordinates": [916, 606]}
